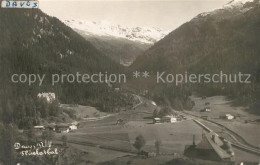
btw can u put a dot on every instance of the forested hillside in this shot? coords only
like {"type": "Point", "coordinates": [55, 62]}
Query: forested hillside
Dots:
{"type": "Point", "coordinates": [223, 40]}
{"type": "Point", "coordinates": [33, 43]}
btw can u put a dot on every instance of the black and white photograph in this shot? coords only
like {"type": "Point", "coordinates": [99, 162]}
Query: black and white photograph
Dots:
{"type": "Point", "coordinates": [130, 82]}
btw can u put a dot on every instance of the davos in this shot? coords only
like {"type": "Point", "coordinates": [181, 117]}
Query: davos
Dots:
{"type": "Point", "coordinates": [20, 4]}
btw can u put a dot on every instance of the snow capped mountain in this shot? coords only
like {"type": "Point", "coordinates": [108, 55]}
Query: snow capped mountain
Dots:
{"type": "Point", "coordinates": [236, 3]}
{"type": "Point", "coordinates": [104, 28]}
{"type": "Point", "coordinates": [234, 6]}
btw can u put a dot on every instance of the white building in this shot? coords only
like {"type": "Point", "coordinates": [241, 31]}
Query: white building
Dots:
{"type": "Point", "coordinates": [50, 97]}
{"type": "Point", "coordinates": [153, 103]}
{"type": "Point", "coordinates": [62, 128]}
{"type": "Point", "coordinates": [156, 120]}
{"type": "Point", "coordinates": [39, 127]}
{"type": "Point", "coordinates": [207, 109]}
{"type": "Point", "coordinates": [170, 119]}
{"type": "Point", "coordinates": [229, 116]}
{"type": "Point", "coordinates": [73, 127]}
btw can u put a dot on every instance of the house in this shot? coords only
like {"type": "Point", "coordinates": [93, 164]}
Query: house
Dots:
{"type": "Point", "coordinates": [50, 127]}
{"type": "Point", "coordinates": [227, 116]}
{"type": "Point", "coordinates": [156, 120]}
{"type": "Point", "coordinates": [62, 128]}
{"type": "Point", "coordinates": [166, 119]}
{"type": "Point", "coordinates": [211, 147]}
{"type": "Point", "coordinates": [50, 97]}
{"type": "Point", "coordinates": [207, 109]}
{"type": "Point", "coordinates": [74, 125]}
{"type": "Point", "coordinates": [39, 128]}
{"type": "Point", "coordinates": [153, 103]}
{"type": "Point", "coordinates": [169, 119]}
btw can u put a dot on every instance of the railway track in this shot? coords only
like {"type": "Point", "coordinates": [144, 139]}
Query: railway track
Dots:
{"type": "Point", "coordinates": [239, 142]}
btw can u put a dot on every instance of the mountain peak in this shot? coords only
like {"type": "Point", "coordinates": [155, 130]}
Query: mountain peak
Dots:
{"type": "Point", "coordinates": [234, 6]}
{"type": "Point", "coordinates": [105, 28]}
{"type": "Point", "coordinates": [238, 3]}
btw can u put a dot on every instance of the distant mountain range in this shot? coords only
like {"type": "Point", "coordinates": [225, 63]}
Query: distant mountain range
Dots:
{"type": "Point", "coordinates": [122, 44]}
{"type": "Point", "coordinates": [225, 39]}
{"type": "Point", "coordinates": [104, 28]}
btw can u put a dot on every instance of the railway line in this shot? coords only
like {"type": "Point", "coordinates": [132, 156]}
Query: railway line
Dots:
{"type": "Point", "coordinates": [238, 141]}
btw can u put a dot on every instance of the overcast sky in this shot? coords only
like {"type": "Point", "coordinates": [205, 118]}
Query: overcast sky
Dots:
{"type": "Point", "coordinates": [162, 14]}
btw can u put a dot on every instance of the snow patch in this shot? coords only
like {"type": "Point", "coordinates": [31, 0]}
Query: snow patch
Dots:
{"type": "Point", "coordinates": [236, 3]}
{"type": "Point", "coordinates": [105, 28]}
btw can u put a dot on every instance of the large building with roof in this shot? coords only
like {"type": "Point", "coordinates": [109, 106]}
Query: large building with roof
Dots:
{"type": "Point", "coordinates": [210, 148]}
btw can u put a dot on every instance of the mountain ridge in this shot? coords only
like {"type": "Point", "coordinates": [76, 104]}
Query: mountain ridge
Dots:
{"type": "Point", "coordinates": [103, 28]}
{"type": "Point", "coordinates": [121, 44]}
{"type": "Point", "coordinates": [222, 40]}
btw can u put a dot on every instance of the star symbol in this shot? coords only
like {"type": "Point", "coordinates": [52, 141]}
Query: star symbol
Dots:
{"type": "Point", "coordinates": [145, 74]}
{"type": "Point", "coordinates": [136, 74]}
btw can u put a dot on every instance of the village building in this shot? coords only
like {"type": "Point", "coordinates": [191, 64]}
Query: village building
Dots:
{"type": "Point", "coordinates": [210, 148]}
{"type": "Point", "coordinates": [166, 119]}
{"type": "Point", "coordinates": [50, 127]}
{"type": "Point", "coordinates": [62, 128]}
{"type": "Point", "coordinates": [50, 97]}
{"type": "Point", "coordinates": [157, 120]}
{"type": "Point", "coordinates": [153, 103]}
{"type": "Point", "coordinates": [74, 125]}
{"type": "Point", "coordinates": [169, 119]}
{"type": "Point", "coordinates": [227, 116]}
{"type": "Point", "coordinates": [39, 128]}
{"type": "Point", "coordinates": [207, 109]}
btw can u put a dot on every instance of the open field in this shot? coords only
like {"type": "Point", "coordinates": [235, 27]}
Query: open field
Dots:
{"type": "Point", "coordinates": [220, 105]}
{"type": "Point", "coordinates": [106, 137]}
{"type": "Point", "coordinates": [96, 154]}
{"type": "Point", "coordinates": [160, 160]}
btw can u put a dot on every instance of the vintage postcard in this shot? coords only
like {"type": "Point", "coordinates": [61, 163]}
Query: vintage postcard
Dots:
{"type": "Point", "coordinates": [130, 82]}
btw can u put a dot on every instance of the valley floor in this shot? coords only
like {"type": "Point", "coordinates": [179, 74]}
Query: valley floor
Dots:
{"type": "Point", "coordinates": [106, 140]}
